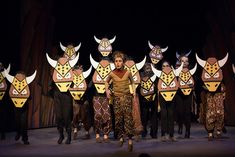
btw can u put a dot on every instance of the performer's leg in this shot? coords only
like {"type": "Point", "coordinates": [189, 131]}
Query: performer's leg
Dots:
{"type": "Point", "coordinates": [187, 120]}
{"type": "Point", "coordinates": [154, 120]}
{"type": "Point", "coordinates": [163, 118]}
{"type": "Point", "coordinates": [144, 106]}
{"type": "Point", "coordinates": [107, 122]}
{"type": "Point", "coordinates": [219, 123]}
{"type": "Point", "coordinates": [24, 124]}
{"type": "Point", "coordinates": [210, 116]}
{"type": "Point", "coordinates": [97, 117]}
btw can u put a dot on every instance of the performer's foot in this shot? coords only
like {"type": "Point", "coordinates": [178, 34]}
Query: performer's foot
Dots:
{"type": "Point", "coordinates": [163, 139]}
{"type": "Point", "coordinates": [106, 140]}
{"type": "Point", "coordinates": [210, 137]}
{"type": "Point", "coordinates": [121, 141]}
{"type": "Point", "coordinates": [60, 140]}
{"type": "Point", "coordinates": [218, 134]}
{"type": "Point", "coordinates": [172, 139]}
{"type": "Point", "coordinates": [17, 137]}
{"type": "Point", "coordinates": [98, 140]}
{"type": "Point", "coordinates": [130, 146]}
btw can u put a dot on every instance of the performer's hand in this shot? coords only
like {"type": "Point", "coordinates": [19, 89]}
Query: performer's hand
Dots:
{"type": "Point", "coordinates": [108, 93]}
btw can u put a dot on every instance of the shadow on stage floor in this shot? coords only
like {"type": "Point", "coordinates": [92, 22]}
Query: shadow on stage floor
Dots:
{"type": "Point", "coordinates": [43, 142]}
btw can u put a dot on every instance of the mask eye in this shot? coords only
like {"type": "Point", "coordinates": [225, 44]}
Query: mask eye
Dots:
{"type": "Point", "coordinates": [145, 91]}
{"type": "Point", "coordinates": [2, 85]}
{"type": "Point", "coordinates": [15, 92]}
{"type": "Point", "coordinates": [190, 81]}
{"type": "Point", "coordinates": [163, 85]}
{"type": "Point", "coordinates": [59, 77]}
{"type": "Point", "coordinates": [24, 91]}
{"type": "Point", "coordinates": [216, 75]}
{"type": "Point", "coordinates": [182, 83]}
{"type": "Point", "coordinates": [207, 76]}
{"type": "Point", "coordinates": [98, 78]}
{"type": "Point", "coordinates": [68, 75]}
{"type": "Point", "coordinates": [172, 84]}
{"type": "Point", "coordinates": [81, 85]}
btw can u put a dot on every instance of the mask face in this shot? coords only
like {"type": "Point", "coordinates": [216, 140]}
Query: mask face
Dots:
{"type": "Point", "coordinates": [19, 90]}
{"type": "Point", "coordinates": [186, 81]}
{"type": "Point", "coordinates": [62, 74]}
{"type": "Point", "coordinates": [105, 47]}
{"type": "Point", "coordinates": [147, 87]}
{"type": "Point", "coordinates": [167, 83]}
{"type": "Point", "coordinates": [156, 53]}
{"type": "Point", "coordinates": [70, 51]}
{"type": "Point", "coordinates": [134, 68]}
{"type": "Point", "coordinates": [212, 74]}
{"type": "Point", "coordinates": [79, 83]}
{"type": "Point", "coordinates": [103, 69]}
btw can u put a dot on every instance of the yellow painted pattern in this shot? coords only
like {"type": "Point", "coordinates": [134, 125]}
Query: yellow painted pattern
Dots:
{"type": "Point", "coordinates": [77, 95]}
{"type": "Point", "coordinates": [212, 86]}
{"type": "Point", "coordinates": [100, 88]}
{"type": "Point", "coordinates": [211, 69]}
{"type": "Point", "coordinates": [103, 71]}
{"type": "Point", "coordinates": [1, 95]}
{"type": "Point", "coordinates": [63, 86]}
{"type": "Point", "coordinates": [19, 85]}
{"type": "Point", "coordinates": [168, 96]}
{"type": "Point", "coordinates": [185, 76]}
{"type": "Point", "coordinates": [167, 78]}
{"type": "Point", "coordinates": [150, 97]}
{"type": "Point", "coordinates": [70, 51]}
{"type": "Point", "coordinates": [132, 69]}
{"type": "Point", "coordinates": [63, 69]}
{"type": "Point", "coordinates": [146, 85]}
{"type": "Point", "coordinates": [78, 79]}
{"type": "Point", "coordinates": [19, 102]}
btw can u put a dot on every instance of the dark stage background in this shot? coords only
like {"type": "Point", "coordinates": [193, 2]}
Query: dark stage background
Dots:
{"type": "Point", "coordinates": [35, 27]}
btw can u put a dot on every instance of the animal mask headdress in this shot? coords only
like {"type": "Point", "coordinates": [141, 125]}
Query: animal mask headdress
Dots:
{"type": "Point", "coordinates": [105, 47]}
{"type": "Point", "coordinates": [156, 53]}
{"type": "Point", "coordinates": [167, 83]}
{"type": "Point", "coordinates": [79, 82]}
{"type": "Point", "coordinates": [62, 75]}
{"type": "Point", "coordinates": [19, 90]}
{"type": "Point", "coordinates": [212, 73]}
{"type": "Point", "coordinates": [70, 50]}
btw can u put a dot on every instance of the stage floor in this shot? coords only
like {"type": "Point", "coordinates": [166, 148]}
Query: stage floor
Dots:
{"type": "Point", "coordinates": [43, 142]}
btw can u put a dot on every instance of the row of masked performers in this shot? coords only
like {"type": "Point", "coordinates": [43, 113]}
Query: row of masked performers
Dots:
{"type": "Point", "coordinates": [115, 101]}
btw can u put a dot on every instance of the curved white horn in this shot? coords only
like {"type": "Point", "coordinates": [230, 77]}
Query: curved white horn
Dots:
{"type": "Point", "coordinates": [8, 76]}
{"type": "Point", "coordinates": [93, 62]}
{"type": "Point", "coordinates": [77, 47]}
{"type": "Point", "coordinates": [96, 39]}
{"type": "Point", "coordinates": [141, 64]}
{"type": "Point", "coordinates": [112, 66]}
{"type": "Point", "coordinates": [62, 46]}
{"type": "Point", "coordinates": [112, 40]}
{"type": "Point", "coordinates": [87, 73]}
{"type": "Point", "coordinates": [187, 54]}
{"type": "Point", "coordinates": [177, 55]}
{"type": "Point", "coordinates": [201, 62]}
{"type": "Point", "coordinates": [51, 61]}
{"type": "Point", "coordinates": [233, 68]}
{"type": "Point", "coordinates": [164, 49]}
{"type": "Point", "coordinates": [192, 71]}
{"type": "Point", "coordinates": [150, 45]}
{"type": "Point", "coordinates": [178, 70]}
{"type": "Point", "coordinates": [223, 61]}
{"type": "Point", "coordinates": [153, 78]}
{"type": "Point", "coordinates": [74, 61]}
{"type": "Point", "coordinates": [7, 70]}
{"type": "Point", "coordinates": [29, 79]}
{"type": "Point", "coordinates": [156, 72]}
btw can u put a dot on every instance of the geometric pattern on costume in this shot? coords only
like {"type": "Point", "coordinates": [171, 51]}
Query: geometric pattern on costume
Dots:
{"type": "Point", "coordinates": [215, 112]}
{"type": "Point", "coordinates": [102, 115]}
{"type": "Point", "coordinates": [3, 86]}
{"type": "Point", "coordinates": [123, 110]}
{"type": "Point", "coordinates": [147, 89]}
{"type": "Point", "coordinates": [156, 53]}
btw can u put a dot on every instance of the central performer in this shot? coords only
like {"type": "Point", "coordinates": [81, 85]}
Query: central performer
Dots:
{"type": "Point", "coordinates": [123, 91]}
